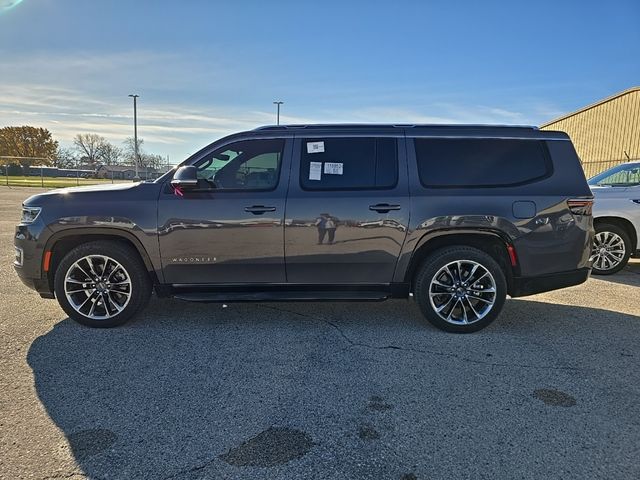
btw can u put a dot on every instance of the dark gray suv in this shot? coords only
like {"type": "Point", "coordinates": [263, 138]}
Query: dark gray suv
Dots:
{"type": "Point", "coordinates": [458, 216]}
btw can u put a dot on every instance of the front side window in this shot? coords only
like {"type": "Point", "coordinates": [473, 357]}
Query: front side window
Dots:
{"type": "Point", "coordinates": [480, 162]}
{"type": "Point", "coordinates": [348, 163]}
{"type": "Point", "coordinates": [620, 176]}
{"type": "Point", "coordinates": [245, 165]}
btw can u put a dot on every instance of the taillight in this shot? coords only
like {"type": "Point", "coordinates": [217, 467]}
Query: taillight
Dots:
{"type": "Point", "coordinates": [580, 206]}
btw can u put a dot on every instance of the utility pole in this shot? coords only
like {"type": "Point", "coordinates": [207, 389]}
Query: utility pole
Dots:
{"type": "Point", "coordinates": [277, 104]}
{"type": "Point", "coordinates": [135, 132]}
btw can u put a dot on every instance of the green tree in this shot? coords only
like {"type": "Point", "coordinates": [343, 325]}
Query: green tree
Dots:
{"type": "Point", "coordinates": [34, 145]}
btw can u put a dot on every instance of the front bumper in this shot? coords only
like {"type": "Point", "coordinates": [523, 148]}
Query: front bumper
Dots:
{"type": "Point", "coordinates": [40, 285]}
{"type": "Point", "coordinates": [30, 240]}
{"type": "Point", "coordinates": [523, 286]}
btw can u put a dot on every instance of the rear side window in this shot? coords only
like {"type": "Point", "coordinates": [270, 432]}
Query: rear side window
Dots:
{"type": "Point", "coordinates": [480, 162]}
{"type": "Point", "coordinates": [348, 163]}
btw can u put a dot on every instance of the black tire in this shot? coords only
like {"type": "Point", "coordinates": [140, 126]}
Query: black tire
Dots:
{"type": "Point", "coordinates": [603, 229]}
{"type": "Point", "coordinates": [140, 285]}
{"type": "Point", "coordinates": [431, 268]}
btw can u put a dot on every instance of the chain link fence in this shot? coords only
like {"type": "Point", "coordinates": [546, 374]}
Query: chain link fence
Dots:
{"type": "Point", "coordinates": [27, 172]}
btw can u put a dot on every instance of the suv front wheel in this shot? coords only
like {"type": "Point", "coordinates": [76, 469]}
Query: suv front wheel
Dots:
{"type": "Point", "coordinates": [102, 283]}
{"type": "Point", "coordinates": [460, 289]}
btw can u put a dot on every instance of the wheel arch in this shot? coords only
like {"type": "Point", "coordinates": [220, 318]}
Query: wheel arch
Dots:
{"type": "Point", "coordinates": [491, 242]}
{"type": "Point", "coordinates": [623, 223]}
{"type": "Point", "coordinates": [60, 243]}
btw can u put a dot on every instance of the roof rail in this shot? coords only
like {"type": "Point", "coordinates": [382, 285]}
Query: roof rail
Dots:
{"type": "Point", "coordinates": [385, 125]}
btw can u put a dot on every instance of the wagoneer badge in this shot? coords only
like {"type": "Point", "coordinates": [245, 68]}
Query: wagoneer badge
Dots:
{"type": "Point", "coordinates": [193, 259]}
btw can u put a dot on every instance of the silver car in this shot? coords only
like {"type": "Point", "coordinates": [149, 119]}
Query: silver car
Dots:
{"type": "Point", "coordinates": [616, 215]}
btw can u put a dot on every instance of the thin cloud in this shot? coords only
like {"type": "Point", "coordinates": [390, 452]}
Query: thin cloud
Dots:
{"type": "Point", "coordinates": [86, 93]}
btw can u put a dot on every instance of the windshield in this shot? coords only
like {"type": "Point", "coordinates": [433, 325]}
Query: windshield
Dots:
{"type": "Point", "coordinates": [625, 175]}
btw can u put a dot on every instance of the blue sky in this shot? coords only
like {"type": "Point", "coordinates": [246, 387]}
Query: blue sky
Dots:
{"type": "Point", "coordinates": [205, 69]}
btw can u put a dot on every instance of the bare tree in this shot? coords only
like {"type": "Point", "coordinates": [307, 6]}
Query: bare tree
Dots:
{"type": "Point", "coordinates": [65, 158]}
{"type": "Point", "coordinates": [145, 160]}
{"type": "Point", "coordinates": [111, 155]}
{"type": "Point", "coordinates": [151, 160]}
{"type": "Point", "coordinates": [90, 146]}
{"type": "Point", "coordinates": [130, 150]}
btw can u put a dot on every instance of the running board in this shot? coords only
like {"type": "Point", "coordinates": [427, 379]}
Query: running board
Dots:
{"type": "Point", "coordinates": [282, 296]}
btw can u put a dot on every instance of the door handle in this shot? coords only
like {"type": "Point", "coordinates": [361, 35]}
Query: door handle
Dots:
{"type": "Point", "coordinates": [383, 207]}
{"type": "Point", "coordinates": [259, 209]}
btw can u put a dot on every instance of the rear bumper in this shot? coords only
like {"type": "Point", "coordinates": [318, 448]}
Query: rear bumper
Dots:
{"type": "Point", "coordinates": [523, 286]}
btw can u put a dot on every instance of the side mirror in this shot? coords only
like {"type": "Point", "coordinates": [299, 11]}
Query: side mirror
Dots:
{"type": "Point", "coordinates": [186, 177]}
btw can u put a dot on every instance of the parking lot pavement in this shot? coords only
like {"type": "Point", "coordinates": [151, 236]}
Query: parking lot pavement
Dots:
{"type": "Point", "coordinates": [320, 390]}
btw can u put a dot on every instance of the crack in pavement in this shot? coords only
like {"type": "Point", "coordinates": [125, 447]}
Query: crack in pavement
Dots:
{"type": "Point", "coordinates": [186, 471]}
{"type": "Point", "coordinates": [353, 343]}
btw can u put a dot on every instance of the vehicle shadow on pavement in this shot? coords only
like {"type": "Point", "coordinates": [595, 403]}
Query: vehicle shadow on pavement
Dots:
{"type": "Point", "coordinates": [308, 390]}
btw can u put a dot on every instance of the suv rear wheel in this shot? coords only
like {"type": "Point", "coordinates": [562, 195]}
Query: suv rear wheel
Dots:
{"type": "Point", "coordinates": [611, 249]}
{"type": "Point", "coordinates": [460, 289]}
{"type": "Point", "coordinates": [102, 284]}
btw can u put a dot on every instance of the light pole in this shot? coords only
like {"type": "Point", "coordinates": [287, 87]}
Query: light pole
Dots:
{"type": "Point", "coordinates": [135, 132]}
{"type": "Point", "coordinates": [278, 111]}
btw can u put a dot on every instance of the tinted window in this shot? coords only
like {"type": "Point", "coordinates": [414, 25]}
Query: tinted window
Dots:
{"type": "Point", "coordinates": [246, 165]}
{"type": "Point", "coordinates": [620, 176]}
{"type": "Point", "coordinates": [348, 163]}
{"type": "Point", "coordinates": [469, 162]}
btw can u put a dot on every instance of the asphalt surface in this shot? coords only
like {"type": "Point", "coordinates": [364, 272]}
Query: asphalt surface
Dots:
{"type": "Point", "coordinates": [320, 390]}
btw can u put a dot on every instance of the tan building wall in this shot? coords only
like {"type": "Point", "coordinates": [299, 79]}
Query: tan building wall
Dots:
{"type": "Point", "coordinates": [604, 131]}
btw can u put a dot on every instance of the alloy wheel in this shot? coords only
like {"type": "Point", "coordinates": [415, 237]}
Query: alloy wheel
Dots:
{"type": "Point", "coordinates": [97, 287]}
{"type": "Point", "coordinates": [462, 292]}
{"type": "Point", "coordinates": [608, 251]}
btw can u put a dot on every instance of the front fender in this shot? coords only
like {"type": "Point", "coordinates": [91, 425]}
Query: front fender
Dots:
{"type": "Point", "coordinates": [147, 248]}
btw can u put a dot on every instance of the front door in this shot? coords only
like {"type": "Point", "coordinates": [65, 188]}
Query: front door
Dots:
{"type": "Point", "coordinates": [229, 230]}
{"type": "Point", "coordinates": [347, 209]}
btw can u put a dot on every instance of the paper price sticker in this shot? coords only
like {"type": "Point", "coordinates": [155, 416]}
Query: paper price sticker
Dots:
{"type": "Point", "coordinates": [315, 171]}
{"type": "Point", "coordinates": [315, 147]}
{"type": "Point", "coordinates": [333, 168]}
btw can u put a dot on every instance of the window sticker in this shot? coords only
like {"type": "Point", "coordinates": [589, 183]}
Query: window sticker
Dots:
{"type": "Point", "coordinates": [331, 168]}
{"type": "Point", "coordinates": [315, 170]}
{"type": "Point", "coordinates": [315, 147]}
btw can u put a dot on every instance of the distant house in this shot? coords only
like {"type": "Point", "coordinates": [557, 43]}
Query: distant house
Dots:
{"type": "Point", "coordinates": [117, 172]}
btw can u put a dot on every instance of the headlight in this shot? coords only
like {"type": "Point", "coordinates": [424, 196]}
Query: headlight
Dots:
{"type": "Point", "coordinates": [29, 214]}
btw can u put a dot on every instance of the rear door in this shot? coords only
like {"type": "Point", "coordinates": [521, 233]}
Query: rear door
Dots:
{"type": "Point", "coordinates": [347, 209]}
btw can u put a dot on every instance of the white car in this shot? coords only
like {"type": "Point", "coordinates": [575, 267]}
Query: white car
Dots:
{"type": "Point", "coordinates": [616, 213]}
